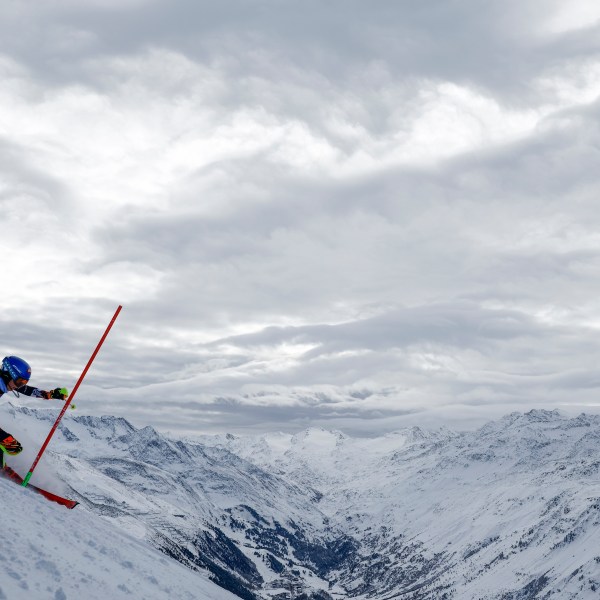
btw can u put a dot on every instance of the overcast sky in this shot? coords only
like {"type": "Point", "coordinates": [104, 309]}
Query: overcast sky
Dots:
{"type": "Point", "coordinates": [357, 215]}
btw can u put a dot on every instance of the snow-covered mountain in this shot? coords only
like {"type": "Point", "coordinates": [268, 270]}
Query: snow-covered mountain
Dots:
{"type": "Point", "coordinates": [510, 511]}
{"type": "Point", "coordinates": [52, 553]}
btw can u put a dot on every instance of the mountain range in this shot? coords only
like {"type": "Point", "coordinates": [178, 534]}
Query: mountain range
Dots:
{"type": "Point", "coordinates": [509, 511]}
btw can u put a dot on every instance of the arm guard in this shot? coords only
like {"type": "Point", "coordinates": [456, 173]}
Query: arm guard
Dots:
{"type": "Point", "coordinates": [29, 390]}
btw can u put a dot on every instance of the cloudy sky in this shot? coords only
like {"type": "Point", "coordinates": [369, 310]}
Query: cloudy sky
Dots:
{"type": "Point", "coordinates": [358, 215]}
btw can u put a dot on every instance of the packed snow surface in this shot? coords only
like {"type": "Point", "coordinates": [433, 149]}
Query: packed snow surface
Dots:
{"type": "Point", "coordinates": [51, 552]}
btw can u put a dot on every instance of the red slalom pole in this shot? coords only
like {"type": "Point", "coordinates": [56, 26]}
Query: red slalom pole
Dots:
{"type": "Point", "coordinates": [68, 401]}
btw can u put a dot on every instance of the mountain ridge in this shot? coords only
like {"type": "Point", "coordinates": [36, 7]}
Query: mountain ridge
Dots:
{"type": "Point", "coordinates": [510, 510]}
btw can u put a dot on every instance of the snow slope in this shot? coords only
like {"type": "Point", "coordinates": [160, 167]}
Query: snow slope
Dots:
{"type": "Point", "coordinates": [54, 553]}
{"type": "Point", "coordinates": [192, 502]}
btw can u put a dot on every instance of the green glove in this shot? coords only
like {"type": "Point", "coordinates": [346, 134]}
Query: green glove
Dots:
{"type": "Point", "coordinates": [60, 393]}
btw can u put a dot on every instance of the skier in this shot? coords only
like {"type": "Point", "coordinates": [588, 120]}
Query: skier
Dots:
{"type": "Point", "coordinates": [14, 376]}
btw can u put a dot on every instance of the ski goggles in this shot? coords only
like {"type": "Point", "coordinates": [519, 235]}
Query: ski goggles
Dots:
{"type": "Point", "coordinates": [19, 381]}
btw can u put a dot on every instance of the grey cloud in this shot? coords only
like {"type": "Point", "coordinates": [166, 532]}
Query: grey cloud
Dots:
{"type": "Point", "coordinates": [459, 324]}
{"type": "Point", "coordinates": [21, 177]}
{"type": "Point", "coordinates": [436, 40]}
{"type": "Point", "coordinates": [230, 415]}
{"type": "Point", "coordinates": [480, 269]}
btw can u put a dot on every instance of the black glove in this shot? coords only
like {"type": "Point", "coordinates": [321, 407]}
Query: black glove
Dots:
{"type": "Point", "coordinates": [57, 394]}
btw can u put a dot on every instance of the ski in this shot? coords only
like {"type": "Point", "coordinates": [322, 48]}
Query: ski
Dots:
{"type": "Point", "coordinates": [14, 476]}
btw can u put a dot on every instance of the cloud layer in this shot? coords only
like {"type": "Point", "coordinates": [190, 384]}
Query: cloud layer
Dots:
{"type": "Point", "coordinates": [340, 214]}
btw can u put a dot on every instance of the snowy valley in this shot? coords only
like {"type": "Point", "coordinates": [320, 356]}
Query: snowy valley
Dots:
{"type": "Point", "coordinates": [510, 511]}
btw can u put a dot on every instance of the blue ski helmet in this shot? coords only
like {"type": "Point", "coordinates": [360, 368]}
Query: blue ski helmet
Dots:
{"type": "Point", "coordinates": [17, 368]}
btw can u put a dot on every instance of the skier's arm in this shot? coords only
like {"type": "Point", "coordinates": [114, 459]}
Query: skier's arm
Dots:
{"type": "Point", "coordinates": [55, 394]}
{"type": "Point", "coordinates": [29, 390]}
